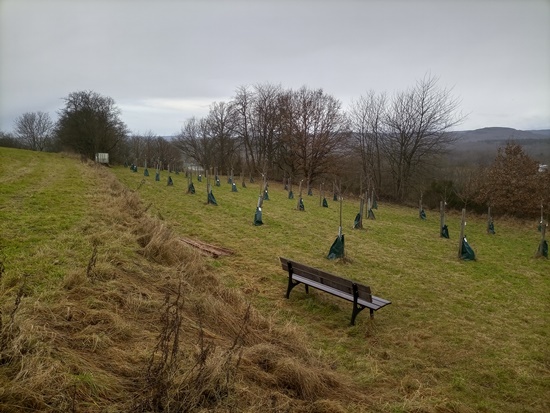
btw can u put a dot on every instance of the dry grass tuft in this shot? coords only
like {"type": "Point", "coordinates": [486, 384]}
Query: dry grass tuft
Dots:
{"type": "Point", "coordinates": [160, 245]}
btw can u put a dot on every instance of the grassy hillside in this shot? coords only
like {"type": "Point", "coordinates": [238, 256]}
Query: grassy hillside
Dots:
{"type": "Point", "coordinates": [103, 309]}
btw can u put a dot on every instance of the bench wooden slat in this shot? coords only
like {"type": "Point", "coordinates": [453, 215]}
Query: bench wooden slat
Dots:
{"type": "Point", "coordinates": [323, 287]}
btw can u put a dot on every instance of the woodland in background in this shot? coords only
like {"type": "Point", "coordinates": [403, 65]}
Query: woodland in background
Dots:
{"type": "Point", "coordinates": [400, 146]}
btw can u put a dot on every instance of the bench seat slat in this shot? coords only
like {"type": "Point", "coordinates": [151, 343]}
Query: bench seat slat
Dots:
{"type": "Point", "coordinates": [323, 287]}
{"type": "Point", "coordinates": [376, 304]}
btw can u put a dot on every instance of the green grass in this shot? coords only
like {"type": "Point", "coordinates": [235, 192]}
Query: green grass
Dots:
{"type": "Point", "coordinates": [43, 199]}
{"type": "Point", "coordinates": [459, 336]}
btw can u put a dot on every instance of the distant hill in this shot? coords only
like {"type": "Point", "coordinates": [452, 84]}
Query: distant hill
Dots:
{"type": "Point", "coordinates": [481, 145]}
{"type": "Point", "coordinates": [501, 134]}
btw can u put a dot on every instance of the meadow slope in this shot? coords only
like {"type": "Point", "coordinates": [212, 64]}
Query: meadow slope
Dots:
{"type": "Point", "coordinates": [104, 309]}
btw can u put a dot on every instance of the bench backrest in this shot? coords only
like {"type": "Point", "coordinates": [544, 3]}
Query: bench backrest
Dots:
{"type": "Point", "coordinates": [328, 279]}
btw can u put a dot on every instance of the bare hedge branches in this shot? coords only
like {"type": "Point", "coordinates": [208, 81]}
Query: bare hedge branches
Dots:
{"type": "Point", "coordinates": [34, 130]}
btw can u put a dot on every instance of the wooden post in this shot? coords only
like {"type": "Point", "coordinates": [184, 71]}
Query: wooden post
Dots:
{"type": "Point", "coordinates": [361, 210]}
{"type": "Point", "coordinates": [369, 203]}
{"type": "Point", "coordinates": [262, 190]}
{"type": "Point", "coordinates": [539, 252]}
{"type": "Point", "coordinates": [299, 196]}
{"type": "Point", "coordinates": [441, 215]}
{"type": "Point", "coordinates": [207, 188]}
{"type": "Point", "coordinates": [462, 225]}
{"type": "Point", "coordinates": [420, 206]}
{"type": "Point", "coordinates": [541, 215]}
{"type": "Point", "coordinates": [340, 230]}
{"type": "Point", "coordinates": [372, 197]}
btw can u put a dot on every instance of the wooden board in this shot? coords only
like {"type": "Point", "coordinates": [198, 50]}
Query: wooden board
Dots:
{"type": "Point", "coordinates": [208, 249]}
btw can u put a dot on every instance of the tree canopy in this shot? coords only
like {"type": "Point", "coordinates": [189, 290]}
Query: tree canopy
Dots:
{"type": "Point", "coordinates": [90, 123]}
{"type": "Point", "coordinates": [513, 184]}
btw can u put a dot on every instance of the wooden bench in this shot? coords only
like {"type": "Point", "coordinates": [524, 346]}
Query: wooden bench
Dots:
{"type": "Point", "coordinates": [360, 295]}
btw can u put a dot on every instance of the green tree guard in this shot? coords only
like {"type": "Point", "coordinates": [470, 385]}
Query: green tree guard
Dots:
{"type": "Point", "coordinates": [337, 248]}
{"type": "Point", "coordinates": [211, 199]}
{"type": "Point", "coordinates": [258, 217]}
{"type": "Point", "coordinates": [357, 221]}
{"type": "Point", "coordinates": [422, 215]}
{"type": "Point", "coordinates": [467, 251]}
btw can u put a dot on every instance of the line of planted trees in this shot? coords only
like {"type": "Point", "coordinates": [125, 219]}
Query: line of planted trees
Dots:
{"type": "Point", "coordinates": [392, 144]}
{"type": "Point", "coordinates": [383, 142]}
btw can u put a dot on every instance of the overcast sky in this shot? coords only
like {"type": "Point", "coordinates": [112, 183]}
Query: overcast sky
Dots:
{"type": "Point", "coordinates": [164, 61]}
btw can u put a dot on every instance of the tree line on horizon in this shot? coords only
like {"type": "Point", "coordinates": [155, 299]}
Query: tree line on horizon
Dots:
{"type": "Point", "coordinates": [394, 145]}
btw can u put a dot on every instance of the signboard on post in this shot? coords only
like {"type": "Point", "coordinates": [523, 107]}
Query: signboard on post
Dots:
{"type": "Point", "coordinates": [102, 158]}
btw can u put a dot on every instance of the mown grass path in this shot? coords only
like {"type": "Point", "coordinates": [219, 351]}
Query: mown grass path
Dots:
{"type": "Point", "coordinates": [41, 199]}
{"type": "Point", "coordinates": [459, 336]}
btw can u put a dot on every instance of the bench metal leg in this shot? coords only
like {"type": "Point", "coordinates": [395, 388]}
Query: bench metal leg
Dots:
{"type": "Point", "coordinates": [356, 310]}
{"type": "Point", "coordinates": [291, 285]}
{"type": "Point", "coordinates": [356, 307]}
{"type": "Point", "coordinates": [291, 282]}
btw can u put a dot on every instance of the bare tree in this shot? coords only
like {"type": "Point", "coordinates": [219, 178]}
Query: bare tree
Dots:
{"type": "Point", "coordinates": [8, 140]}
{"type": "Point", "coordinates": [221, 125]}
{"type": "Point", "coordinates": [418, 122]}
{"type": "Point", "coordinates": [197, 143]}
{"type": "Point", "coordinates": [256, 125]}
{"type": "Point", "coordinates": [242, 107]}
{"type": "Point", "coordinates": [314, 127]}
{"type": "Point", "coordinates": [266, 117]}
{"type": "Point", "coordinates": [136, 145]}
{"type": "Point", "coordinates": [367, 116]}
{"type": "Point", "coordinates": [34, 130]}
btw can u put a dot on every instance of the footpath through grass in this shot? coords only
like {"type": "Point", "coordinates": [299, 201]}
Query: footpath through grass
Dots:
{"type": "Point", "coordinates": [41, 198]}
{"type": "Point", "coordinates": [458, 336]}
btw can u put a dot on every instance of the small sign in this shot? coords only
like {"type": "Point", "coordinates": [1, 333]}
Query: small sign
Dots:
{"type": "Point", "coordinates": [102, 158]}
